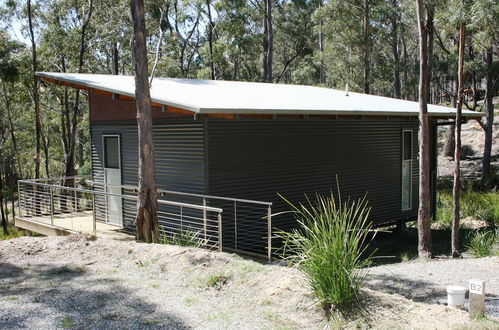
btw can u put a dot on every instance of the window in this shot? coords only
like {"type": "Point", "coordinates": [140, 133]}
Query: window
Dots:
{"type": "Point", "coordinates": [407, 169]}
{"type": "Point", "coordinates": [111, 152]}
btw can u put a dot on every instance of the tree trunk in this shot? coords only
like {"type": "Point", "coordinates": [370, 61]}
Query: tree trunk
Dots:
{"type": "Point", "coordinates": [147, 217]}
{"type": "Point", "coordinates": [115, 61]}
{"type": "Point", "coordinates": [46, 144]}
{"type": "Point", "coordinates": [456, 189]}
{"type": "Point", "coordinates": [430, 33]}
{"type": "Point", "coordinates": [450, 142]}
{"type": "Point", "coordinates": [70, 156]}
{"type": "Point", "coordinates": [12, 131]}
{"type": "Point", "coordinates": [366, 47]}
{"type": "Point", "coordinates": [424, 233]}
{"type": "Point", "coordinates": [489, 124]}
{"type": "Point", "coordinates": [322, 75]}
{"type": "Point", "coordinates": [36, 96]}
{"type": "Point", "coordinates": [395, 50]}
{"type": "Point", "coordinates": [268, 42]}
{"type": "Point", "coordinates": [211, 25]}
{"type": "Point", "coordinates": [4, 216]}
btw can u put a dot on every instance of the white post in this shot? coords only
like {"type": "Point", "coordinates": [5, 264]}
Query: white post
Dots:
{"type": "Point", "coordinates": [477, 299]}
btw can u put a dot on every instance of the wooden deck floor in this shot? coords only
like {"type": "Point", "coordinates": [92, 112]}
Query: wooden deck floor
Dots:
{"type": "Point", "coordinates": [64, 224]}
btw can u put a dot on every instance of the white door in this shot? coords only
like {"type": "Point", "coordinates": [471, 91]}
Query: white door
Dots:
{"type": "Point", "coordinates": [112, 178]}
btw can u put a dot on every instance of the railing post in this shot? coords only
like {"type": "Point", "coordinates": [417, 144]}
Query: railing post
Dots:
{"type": "Point", "coordinates": [235, 225]}
{"type": "Point", "coordinates": [205, 223]}
{"type": "Point", "coordinates": [269, 233]}
{"type": "Point", "coordinates": [181, 221]}
{"type": "Point", "coordinates": [220, 243]}
{"type": "Point", "coordinates": [19, 198]}
{"type": "Point", "coordinates": [76, 195]}
{"type": "Point", "coordinates": [94, 220]}
{"type": "Point", "coordinates": [51, 206]}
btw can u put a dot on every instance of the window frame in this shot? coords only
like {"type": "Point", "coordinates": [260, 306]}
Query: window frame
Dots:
{"type": "Point", "coordinates": [411, 176]}
{"type": "Point", "coordinates": [104, 149]}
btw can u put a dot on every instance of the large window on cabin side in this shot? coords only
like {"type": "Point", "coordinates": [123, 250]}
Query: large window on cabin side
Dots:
{"type": "Point", "coordinates": [407, 169]}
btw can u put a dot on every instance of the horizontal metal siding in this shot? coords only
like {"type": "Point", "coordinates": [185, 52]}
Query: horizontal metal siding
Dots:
{"type": "Point", "coordinates": [257, 159]}
{"type": "Point", "coordinates": [179, 153]}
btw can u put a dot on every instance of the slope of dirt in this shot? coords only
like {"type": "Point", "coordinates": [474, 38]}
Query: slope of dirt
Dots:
{"type": "Point", "coordinates": [472, 140]}
{"type": "Point", "coordinates": [72, 282]}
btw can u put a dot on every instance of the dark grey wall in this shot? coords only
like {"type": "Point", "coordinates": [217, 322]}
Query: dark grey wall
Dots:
{"type": "Point", "coordinates": [179, 148]}
{"type": "Point", "coordinates": [257, 159]}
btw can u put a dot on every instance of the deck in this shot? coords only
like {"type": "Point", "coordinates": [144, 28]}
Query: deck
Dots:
{"type": "Point", "coordinates": [72, 223]}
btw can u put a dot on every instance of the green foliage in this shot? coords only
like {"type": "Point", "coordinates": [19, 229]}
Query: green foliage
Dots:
{"type": "Point", "coordinates": [218, 280]}
{"type": "Point", "coordinates": [329, 248]}
{"type": "Point", "coordinates": [13, 233]}
{"type": "Point", "coordinates": [188, 237]}
{"type": "Point", "coordinates": [482, 243]}
{"type": "Point", "coordinates": [444, 210]}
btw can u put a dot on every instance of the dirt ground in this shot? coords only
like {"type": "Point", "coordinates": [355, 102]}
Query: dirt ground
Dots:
{"type": "Point", "coordinates": [472, 137]}
{"type": "Point", "coordinates": [73, 282]}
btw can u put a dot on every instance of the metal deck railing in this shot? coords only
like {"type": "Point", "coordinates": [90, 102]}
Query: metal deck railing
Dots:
{"type": "Point", "coordinates": [81, 204]}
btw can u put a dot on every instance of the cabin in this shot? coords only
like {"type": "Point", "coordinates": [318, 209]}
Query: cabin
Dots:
{"type": "Point", "coordinates": [237, 146]}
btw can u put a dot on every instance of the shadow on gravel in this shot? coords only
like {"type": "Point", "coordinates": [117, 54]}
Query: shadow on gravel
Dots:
{"type": "Point", "coordinates": [44, 296]}
{"type": "Point", "coordinates": [419, 291]}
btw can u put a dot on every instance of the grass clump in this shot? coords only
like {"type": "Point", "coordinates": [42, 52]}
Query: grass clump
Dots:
{"type": "Point", "coordinates": [482, 243]}
{"type": "Point", "coordinates": [13, 232]}
{"type": "Point", "coordinates": [218, 281]}
{"type": "Point", "coordinates": [189, 237]}
{"type": "Point", "coordinates": [329, 248]}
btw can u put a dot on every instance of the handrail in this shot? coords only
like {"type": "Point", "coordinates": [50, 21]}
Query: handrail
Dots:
{"type": "Point", "coordinates": [164, 191]}
{"type": "Point", "coordinates": [57, 178]}
{"type": "Point", "coordinates": [160, 201]}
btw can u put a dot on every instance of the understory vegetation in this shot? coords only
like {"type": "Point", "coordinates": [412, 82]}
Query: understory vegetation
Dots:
{"type": "Point", "coordinates": [479, 202]}
{"type": "Point", "coordinates": [329, 248]}
{"type": "Point", "coordinates": [184, 238]}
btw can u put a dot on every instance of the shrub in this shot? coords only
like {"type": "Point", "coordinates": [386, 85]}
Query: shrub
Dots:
{"type": "Point", "coordinates": [467, 151]}
{"type": "Point", "coordinates": [482, 243]}
{"type": "Point", "coordinates": [445, 211]}
{"type": "Point", "coordinates": [184, 238]}
{"type": "Point", "coordinates": [329, 246]}
{"type": "Point", "coordinates": [13, 233]}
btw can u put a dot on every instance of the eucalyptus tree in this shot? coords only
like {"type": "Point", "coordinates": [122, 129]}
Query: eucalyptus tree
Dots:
{"type": "Point", "coordinates": [147, 205]}
{"type": "Point", "coordinates": [65, 38]}
{"type": "Point", "coordinates": [456, 189]}
{"type": "Point", "coordinates": [484, 17]}
{"type": "Point", "coordinates": [295, 43]}
{"type": "Point", "coordinates": [350, 29]}
{"type": "Point", "coordinates": [424, 233]}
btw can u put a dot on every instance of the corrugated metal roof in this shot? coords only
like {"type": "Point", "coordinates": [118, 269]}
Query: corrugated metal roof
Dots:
{"type": "Point", "coordinates": [209, 96]}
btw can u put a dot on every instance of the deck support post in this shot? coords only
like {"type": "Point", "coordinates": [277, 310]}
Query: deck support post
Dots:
{"type": "Point", "coordinates": [269, 233]}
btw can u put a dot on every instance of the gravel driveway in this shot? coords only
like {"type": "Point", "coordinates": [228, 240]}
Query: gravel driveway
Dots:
{"type": "Point", "coordinates": [72, 282]}
{"type": "Point", "coordinates": [426, 281]}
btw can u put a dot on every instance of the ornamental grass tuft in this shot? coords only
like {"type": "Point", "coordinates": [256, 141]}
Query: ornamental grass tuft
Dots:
{"type": "Point", "coordinates": [330, 248]}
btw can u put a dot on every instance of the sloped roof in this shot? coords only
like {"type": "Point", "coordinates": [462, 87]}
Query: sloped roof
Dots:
{"type": "Point", "coordinates": [232, 97]}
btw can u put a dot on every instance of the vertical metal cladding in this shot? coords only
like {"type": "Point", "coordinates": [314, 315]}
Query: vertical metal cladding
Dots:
{"type": "Point", "coordinates": [179, 150]}
{"type": "Point", "coordinates": [259, 159]}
